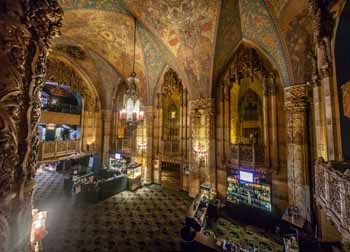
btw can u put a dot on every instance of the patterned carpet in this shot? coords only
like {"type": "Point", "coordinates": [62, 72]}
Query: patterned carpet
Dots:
{"type": "Point", "coordinates": [146, 220]}
{"type": "Point", "coordinates": [245, 236]}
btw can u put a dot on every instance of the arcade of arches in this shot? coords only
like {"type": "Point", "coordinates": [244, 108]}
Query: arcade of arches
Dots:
{"type": "Point", "coordinates": [242, 123]}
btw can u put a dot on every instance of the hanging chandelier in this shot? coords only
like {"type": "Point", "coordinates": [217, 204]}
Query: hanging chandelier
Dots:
{"type": "Point", "coordinates": [132, 112]}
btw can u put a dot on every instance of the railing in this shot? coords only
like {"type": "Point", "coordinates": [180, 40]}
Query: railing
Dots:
{"type": "Point", "coordinates": [56, 149]}
{"type": "Point", "coordinates": [249, 155]}
{"type": "Point", "coordinates": [333, 193]}
{"type": "Point", "coordinates": [62, 108]}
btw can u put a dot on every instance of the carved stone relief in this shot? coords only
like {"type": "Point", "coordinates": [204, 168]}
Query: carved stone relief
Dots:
{"type": "Point", "coordinates": [27, 28]}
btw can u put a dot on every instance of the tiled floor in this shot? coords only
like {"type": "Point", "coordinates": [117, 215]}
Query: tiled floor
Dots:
{"type": "Point", "coordinates": [146, 220]}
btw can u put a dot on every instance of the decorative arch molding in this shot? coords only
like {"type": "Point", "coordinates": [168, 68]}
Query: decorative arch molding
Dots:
{"type": "Point", "coordinates": [63, 71]}
{"type": "Point", "coordinates": [166, 73]}
{"type": "Point", "coordinates": [261, 53]}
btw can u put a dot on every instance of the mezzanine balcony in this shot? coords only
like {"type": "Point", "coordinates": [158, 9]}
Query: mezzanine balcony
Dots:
{"type": "Point", "coordinates": [51, 150]}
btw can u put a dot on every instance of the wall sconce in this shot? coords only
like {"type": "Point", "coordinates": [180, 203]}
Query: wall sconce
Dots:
{"type": "Point", "coordinates": [201, 151]}
{"type": "Point", "coordinates": [142, 146]}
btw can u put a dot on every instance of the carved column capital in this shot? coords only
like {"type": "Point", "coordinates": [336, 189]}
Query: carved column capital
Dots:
{"type": "Point", "coordinates": [297, 96]}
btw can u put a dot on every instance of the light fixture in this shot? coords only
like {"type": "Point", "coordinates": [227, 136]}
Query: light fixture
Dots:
{"type": "Point", "coordinates": [131, 112]}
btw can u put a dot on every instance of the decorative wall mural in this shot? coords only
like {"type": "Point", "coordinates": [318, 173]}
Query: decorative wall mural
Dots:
{"type": "Point", "coordinates": [110, 34]}
{"type": "Point", "coordinates": [153, 60]}
{"type": "Point", "coordinates": [299, 39]}
{"type": "Point", "coordinates": [188, 29]}
{"type": "Point", "coordinates": [228, 35]}
{"type": "Point", "coordinates": [258, 27]}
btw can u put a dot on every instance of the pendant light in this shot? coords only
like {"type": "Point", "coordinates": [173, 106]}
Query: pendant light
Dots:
{"type": "Point", "coordinates": [131, 112]}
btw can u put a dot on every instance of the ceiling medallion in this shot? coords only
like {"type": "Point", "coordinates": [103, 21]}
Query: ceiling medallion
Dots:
{"type": "Point", "coordinates": [132, 112]}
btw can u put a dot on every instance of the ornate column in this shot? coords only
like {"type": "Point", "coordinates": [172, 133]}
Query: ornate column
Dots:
{"type": "Point", "coordinates": [202, 145]}
{"type": "Point", "coordinates": [149, 142]}
{"type": "Point", "coordinates": [274, 124]}
{"type": "Point", "coordinates": [220, 139]}
{"type": "Point", "coordinates": [107, 115]}
{"type": "Point", "coordinates": [328, 98]}
{"type": "Point", "coordinates": [157, 135]}
{"type": "Point", "coordinates": [297, 101]}
{"type": "Point", "coordinates": [323, 24]}
{"type": "Point", "coordinates": [320, 138]}
{"type": "Point", "coordinates": [27, 29]}
{"type": "Point", "coordinates": [266, 121]}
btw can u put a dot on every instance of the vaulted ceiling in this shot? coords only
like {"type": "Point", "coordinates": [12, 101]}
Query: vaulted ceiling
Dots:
{"type": "Point", "coordinates": [196, 38]}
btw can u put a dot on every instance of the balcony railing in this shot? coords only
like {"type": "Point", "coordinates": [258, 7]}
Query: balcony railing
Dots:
{"type": "Point", "coordinates": [250, 155]}
{"type": "Point", "coordinates": [333, 193]}
{"type": "Point", "coordinates": [62, 108]}
{"type": "Point", "coordinates": [57, 149]}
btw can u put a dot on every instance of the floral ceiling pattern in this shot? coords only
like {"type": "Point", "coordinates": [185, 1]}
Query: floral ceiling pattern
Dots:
{"type": "Point", "coordinates": [258, 27]}
{"type": "Point", "coordinates": [188, 29]}
{"type": "Point", "coordinates": [228, 36]}
{"type": "Point", "coordinates": [111, 5]}
{"type": "Point", "coordinates": [194, 37]}
{"type": "Point", "coordinates": [153, 59]}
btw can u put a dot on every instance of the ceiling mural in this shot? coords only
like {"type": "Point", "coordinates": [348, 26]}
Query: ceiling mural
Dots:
{"type": "Point", "coordinates": [109, 77]}
{"type": "Point", "coordinates": [111, 5]}
{"type": "Point", "coordinates": [278, 6]}
{"type": "Point", "coordinates": [299, 41]}
{"type": "Point", "coordinates": [110, 34]}
{"type": "Point", "coordinates": [187, 35]}
{"type": "Point", "coordinates": [258, 27]}
{"type": "Point", "coordinates": [228, 35]}
{"type": "Point", "coordinates": [187, 28]}
{"type": "Point", "coordinates": [153, 60]}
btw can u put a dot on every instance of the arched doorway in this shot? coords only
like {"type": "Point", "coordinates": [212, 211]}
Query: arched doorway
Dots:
{"type": "Point", "coordinates": [250, 112]}
{"type": "Point", "coordinates": [171, 132]}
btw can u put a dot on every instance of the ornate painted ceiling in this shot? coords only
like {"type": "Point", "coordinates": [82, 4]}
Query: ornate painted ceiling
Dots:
{"type": "Point", "coordinates": [197, 38]}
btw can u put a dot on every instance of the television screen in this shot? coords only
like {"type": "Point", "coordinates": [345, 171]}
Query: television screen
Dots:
{"type": "Point", "coordinates": [246, 176]}
{"type": "Point", "coordinates": [117, 156]}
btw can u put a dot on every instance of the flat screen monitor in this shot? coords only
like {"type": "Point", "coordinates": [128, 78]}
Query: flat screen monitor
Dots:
{"type": "Point", "coordinates": [246, 176]}
{"type": "Point", "coordinates": [118, 156]}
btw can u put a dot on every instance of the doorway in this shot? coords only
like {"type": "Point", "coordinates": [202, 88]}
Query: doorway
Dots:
{"type": "Point", "coordinates": [170, 175]}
